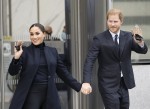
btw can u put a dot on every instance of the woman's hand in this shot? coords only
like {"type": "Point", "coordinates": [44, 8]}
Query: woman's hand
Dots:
{"type": "Point", "coordinates": [86, 88]}
{"type": "Point", "coordinates": [18, 49]}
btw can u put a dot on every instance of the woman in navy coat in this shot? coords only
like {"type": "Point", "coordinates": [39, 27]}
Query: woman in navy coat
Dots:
{"type": "Point", "coordinates": [36, 88]}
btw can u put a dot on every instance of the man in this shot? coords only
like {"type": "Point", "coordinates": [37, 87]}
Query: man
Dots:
{"type": "Point", "coordinates": [113, 49]}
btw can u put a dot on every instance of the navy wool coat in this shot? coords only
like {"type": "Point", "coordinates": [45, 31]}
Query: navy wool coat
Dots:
{"type": "Point", "coordinates": [29, 61]}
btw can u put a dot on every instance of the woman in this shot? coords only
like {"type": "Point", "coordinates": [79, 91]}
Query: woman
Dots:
{"type": "Point", "coordinates": [38, 63]}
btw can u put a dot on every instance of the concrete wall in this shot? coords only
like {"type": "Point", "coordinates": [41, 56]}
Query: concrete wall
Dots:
{"type": "Point", "coordinates": [140, 96]}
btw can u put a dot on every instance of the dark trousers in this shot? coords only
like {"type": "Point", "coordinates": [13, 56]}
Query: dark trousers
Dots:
{"type": "Point", "coordinates": [36, 98]}
{"type": "Point", "coordinates": [117, 100]}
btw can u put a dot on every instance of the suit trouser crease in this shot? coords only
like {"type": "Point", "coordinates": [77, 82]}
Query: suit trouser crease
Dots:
{"type": "Point", "coordinates": [118, 99]}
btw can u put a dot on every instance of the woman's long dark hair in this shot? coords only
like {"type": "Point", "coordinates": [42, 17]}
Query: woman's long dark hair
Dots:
{"type": "Point", "coordinates": [41, 27]}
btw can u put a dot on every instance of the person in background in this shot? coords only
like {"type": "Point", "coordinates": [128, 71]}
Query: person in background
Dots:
{"type": "Point", "coordinates": [113, 49]}
{"type": "Point", "coordinates": [49, 32]}
{"type": "Point", "coordinates": [63, 35]}
{"type": "Point", "coordinates": [37, 65]}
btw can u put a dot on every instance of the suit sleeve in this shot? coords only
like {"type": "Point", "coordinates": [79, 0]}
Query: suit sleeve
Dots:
{"type": "Point", "coordinates": [92, 55]}
{"type": "Point", "coordinates": [139, 49]}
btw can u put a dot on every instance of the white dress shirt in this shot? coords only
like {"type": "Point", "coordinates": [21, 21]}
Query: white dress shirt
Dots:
{"type": "Point", "coordinates": [113, 36]}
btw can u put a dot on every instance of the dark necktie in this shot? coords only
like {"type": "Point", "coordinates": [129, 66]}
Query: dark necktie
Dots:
{"type": "Point", "coordinates": [116, 42]}
{"type": "Point", "coordinates": [117, 45]}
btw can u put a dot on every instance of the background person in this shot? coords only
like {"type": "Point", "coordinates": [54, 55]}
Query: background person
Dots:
{"type": "Point", "coordinates": [63, 35]}
{"type": "Point", "coordinates": [49, 31]}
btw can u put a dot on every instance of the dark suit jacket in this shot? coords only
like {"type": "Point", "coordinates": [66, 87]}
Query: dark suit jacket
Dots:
{"type": "Point", "coordinates": [110, 63]}
{"type": "Point", "coordinates": [30, 61]}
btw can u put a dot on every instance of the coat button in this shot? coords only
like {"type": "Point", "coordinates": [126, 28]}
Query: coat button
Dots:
{"type": "Point", "coordinates": [49, 76]}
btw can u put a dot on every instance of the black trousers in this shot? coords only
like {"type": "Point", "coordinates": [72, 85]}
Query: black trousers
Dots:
{"type": "Point", "coordinates": [36, 98]}
{"type": "Point", "coordinates": [117, 100]}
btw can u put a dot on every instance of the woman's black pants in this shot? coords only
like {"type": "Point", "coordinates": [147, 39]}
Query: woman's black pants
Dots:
{"type": "Point", "coordinates": [36, 98]}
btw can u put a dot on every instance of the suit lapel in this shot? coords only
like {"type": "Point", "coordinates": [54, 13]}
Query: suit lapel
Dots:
{"type": "Point", "coordinates": [112, 43]}
{"type": "Point", "coordinates": [122, 41]}
{"type": "Point", "coordinates": [109, 37]}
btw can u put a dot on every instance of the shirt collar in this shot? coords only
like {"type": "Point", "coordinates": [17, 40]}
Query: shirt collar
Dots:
{"type": "Point", "coordinates": [113, 34]}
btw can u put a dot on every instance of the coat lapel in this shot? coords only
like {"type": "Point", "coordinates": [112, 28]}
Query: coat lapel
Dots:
{"type": "Point", "coordinates": [48, 55]}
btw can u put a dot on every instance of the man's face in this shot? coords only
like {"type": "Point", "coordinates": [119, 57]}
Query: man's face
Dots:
{"type": "Point", "coordinates": [114, 23]}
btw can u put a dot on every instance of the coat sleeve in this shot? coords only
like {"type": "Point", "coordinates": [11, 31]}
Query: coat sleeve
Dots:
{"type": "Point", "coordinates": [65, 75]}
{"type": "Point", "coordinates": [14, 67]}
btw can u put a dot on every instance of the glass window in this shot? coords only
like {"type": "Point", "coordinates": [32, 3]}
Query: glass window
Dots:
{"type": "Point", "coordinates": [136, 12]}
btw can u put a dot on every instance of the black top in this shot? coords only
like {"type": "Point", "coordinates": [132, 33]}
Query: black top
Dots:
{"type": "Point", "coordinates": [42, 72]}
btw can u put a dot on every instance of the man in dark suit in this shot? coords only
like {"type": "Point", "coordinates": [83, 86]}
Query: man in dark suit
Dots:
{"type": "Point", "coordinates": [113, 49]}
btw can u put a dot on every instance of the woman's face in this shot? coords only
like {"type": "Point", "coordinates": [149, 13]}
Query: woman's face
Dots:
{"type": "Point", "coordinates": [36, 35]}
